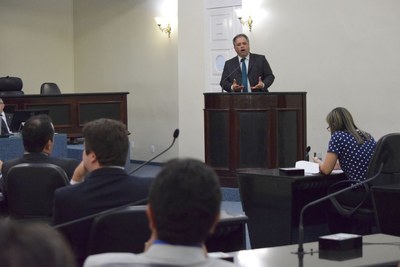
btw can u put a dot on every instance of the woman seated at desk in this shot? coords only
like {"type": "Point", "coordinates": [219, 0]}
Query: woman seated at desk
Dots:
{"type": "Point", "coordinates": [350, 149]}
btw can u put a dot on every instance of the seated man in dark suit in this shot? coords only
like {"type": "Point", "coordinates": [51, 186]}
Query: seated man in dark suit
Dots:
{"type": "Point", "coordinates": [183, 209]}
{"type": "Point", "coordinates": [4, 119]}
{"type": "Point", "coordinates": [101, 182]}
{"type": "Point", "coordinates": [37, 137]}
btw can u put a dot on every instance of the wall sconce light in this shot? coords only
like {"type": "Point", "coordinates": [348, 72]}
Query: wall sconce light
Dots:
{"type": "Point", "coordinates": [160, 24]}
{"type": "Point", "coordinates": [248, 22]}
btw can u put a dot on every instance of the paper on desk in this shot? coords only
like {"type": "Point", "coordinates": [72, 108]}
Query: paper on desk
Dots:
{"type": "Point", "coordinates": [308, 166]}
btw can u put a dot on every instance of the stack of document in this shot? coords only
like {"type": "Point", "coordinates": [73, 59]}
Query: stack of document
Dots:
{"type": "Point", "coordinates": [307, 166]}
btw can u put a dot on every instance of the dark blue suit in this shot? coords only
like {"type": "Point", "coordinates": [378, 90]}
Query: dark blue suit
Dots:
{"type": "Point", "coordinates": [103, 189]}
{"type": "Point", "coordinates": [258, 66]}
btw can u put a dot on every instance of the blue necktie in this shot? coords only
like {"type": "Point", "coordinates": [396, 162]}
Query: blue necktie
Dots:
{"type": "Point", "coordinates": [244, 74]}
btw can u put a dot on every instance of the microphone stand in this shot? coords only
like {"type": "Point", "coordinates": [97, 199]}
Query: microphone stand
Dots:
{"type": "Point", "coordinates": [176, 134]}
{"type": "Point", "coordinates": [300, 250]}
{"type": "Point", "coordinates": [140, 201]}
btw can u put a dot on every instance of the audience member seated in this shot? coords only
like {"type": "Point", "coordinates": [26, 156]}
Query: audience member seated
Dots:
{"type": "Point", "coordinates": [33, 245]}
{"type": "Point", "coordinates": [101, 182]}
{"type": "Point", "coordinates": [183, 209]}
{"type": "Point", "coordinates": [5, 119]}
{"type": "Point", "coordinates": [37, 137]}
{"type": "Point", "coordinates": [351, 150]}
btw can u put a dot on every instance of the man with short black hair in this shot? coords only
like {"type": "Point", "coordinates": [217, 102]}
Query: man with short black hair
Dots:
{"type": "Point", "coordinates": [183, 209]}
{"type": "Point", "coordinates": [37, 137]}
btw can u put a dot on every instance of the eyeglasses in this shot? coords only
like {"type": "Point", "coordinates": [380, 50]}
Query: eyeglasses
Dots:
{"type": "Point", "coordinates": [328, 128]}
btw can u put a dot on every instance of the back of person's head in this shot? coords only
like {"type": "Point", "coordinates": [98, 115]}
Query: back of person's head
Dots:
{"type": "Point", "coordinates": [185, 200]}
{"type": "Point", "coordinates": [37, 131]}
{"type": "Point", "coordinates": [108, 139]}
{"type": "Point", "coordinates": [340, 119]}
{"type": "Point", "coordinates": [33, 245]}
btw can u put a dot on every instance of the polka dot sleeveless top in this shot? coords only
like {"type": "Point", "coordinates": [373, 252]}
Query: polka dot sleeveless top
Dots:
{"type": "Point", "coordinates": [353, 158]}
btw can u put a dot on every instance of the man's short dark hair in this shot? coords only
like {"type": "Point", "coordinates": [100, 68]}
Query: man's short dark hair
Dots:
{"type": "Point", "coordinates": [185, 199]}
{"type": "Point", "coordinates": [37, 131]}
{"type": "Point", "coordinates": [240, 35]}
{"type": "Point", "coordinates": [108, 139]}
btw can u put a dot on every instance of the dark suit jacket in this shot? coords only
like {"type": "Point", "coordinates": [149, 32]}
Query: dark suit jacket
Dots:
{"type": "Point", "coordinates": [103, 189]}
{"type": "Point", "coordinates": [8, 121]}
{"type": "Point", "coordinates": [258, 66]}
{"type": "Point", "coordinates": [67, 164]}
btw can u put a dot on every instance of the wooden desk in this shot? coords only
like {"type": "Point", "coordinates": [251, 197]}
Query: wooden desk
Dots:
{"type": "Point", "coordinates": [70, 112]}
{"type": "Point", "coordinates": [377, 250]}
{"type": "Point", "coordinates": [272, 201]}
{"type": "Point", "coordinates": [253, 130]}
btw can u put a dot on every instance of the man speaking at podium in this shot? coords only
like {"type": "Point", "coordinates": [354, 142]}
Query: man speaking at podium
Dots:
{"type": "Point", "coordinates": [247, 72]}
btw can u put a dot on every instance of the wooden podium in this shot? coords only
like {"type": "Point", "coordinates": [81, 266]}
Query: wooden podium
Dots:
{"type": "Point", "coordinates": [253, 130]}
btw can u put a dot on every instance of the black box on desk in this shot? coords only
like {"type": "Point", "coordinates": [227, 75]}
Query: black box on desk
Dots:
{"type": "Point", "coordinates": [291, 171]}
{"type": "Point", "coordinates": [340, 246]}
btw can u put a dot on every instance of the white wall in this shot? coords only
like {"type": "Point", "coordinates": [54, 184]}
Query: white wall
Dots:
{"type": "Point", "coordinates": [191, 78]}
{"type": "Point", "coordinates": [118, 47]}
{"type": "Point", "coordinates": [36, 43]}
{"type": "Point", "coordinates": [341, 52]}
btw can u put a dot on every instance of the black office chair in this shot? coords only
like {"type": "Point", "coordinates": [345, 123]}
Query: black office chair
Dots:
{"type": "Point", "coordinates": [385, 165]}
{"type": "Point", "coordinates": [10, 86]}
{"type": "Point", "coordinates": [49, 89]}
{"type": "Point", "coordinates": [125, 230]}
{"type": "Point", "coordinates": [29, 190]}
{"type": "Point", "coordinates": [386, 201]}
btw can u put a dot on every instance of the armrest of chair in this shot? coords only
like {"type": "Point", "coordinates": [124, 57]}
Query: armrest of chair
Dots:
{"type": "Point", "coordinates": [343, 209]}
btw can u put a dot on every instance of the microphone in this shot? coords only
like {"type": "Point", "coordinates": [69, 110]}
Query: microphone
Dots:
{"type": "Point", "coordinates": [300, 250]}
{"type": "Point", "coordinates": [137, 202]}
{"type": "Point", "coordinates": [230, 74]}
{"type": "Point", "coordinates": [307, 158]}
{"type": "Point", "coordinates": [175, 135]}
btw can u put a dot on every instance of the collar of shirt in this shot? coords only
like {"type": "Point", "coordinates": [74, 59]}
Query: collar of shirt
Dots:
{"type": "Point", "coordinates": [240, 58]}
{"type": "Point", "coordinates": [161, 242]}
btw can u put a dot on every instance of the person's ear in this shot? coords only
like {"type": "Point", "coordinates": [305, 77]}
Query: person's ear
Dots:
{"type": "Point", "coordinates": [48, 147]}
{"type": "Point", "coordinates": [150, 217]}
{"type": "Point", "coordinates": [216, 221]}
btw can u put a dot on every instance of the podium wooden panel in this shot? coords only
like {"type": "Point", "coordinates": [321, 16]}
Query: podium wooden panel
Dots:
{"type": "Point", "coordinates": [69, 112]}
{"type": "Point", "coordinates": [253, 130]}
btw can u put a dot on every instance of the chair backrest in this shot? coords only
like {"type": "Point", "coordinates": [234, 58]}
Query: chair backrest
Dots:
{"type": "Point", "coordinates": [386, 201]}
{"type": "Point", "coordinates": [29, 189]}
{"type": "Point", "coordinates": [125, 230]}
{"type": "Point", "coordinates": [385, 165]}
{"type": "Point", "coordinates": [387, 154]}
{"type": "Point", "coordinates": [11, 86]}
{"type": "Point", "coordinates": [49, 89]}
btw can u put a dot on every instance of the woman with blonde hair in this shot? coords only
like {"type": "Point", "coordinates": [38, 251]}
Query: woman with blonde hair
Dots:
{"type": "Point", "coordinates": [349, 148]}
